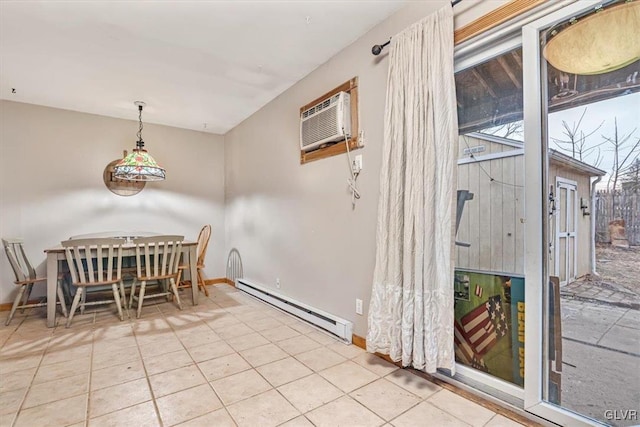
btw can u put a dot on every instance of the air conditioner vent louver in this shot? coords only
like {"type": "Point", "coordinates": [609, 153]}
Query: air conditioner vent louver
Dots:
{"type": "Point", "coordinates": [325, 121]}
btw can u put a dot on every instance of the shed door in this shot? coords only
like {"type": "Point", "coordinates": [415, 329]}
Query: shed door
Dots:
{"type": "Point", "coordinates": [566, 219]}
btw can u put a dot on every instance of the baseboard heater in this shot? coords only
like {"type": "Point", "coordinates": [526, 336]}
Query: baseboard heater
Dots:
{"type": "Point", "coordinates": [336, 326]}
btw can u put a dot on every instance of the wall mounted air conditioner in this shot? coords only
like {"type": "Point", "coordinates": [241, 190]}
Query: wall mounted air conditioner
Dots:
{"type": "Point", "coordinates": [323, 123]}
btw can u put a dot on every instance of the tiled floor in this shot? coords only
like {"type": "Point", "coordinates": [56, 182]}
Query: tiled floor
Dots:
{"type": "Point", "coordinates": [228, 361]}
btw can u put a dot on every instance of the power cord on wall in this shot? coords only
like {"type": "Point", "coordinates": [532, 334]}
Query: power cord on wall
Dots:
{"type": "Point", "coordinates": [355, 172]}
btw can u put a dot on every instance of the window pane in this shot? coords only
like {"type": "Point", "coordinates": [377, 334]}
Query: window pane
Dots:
{"type": "Point", "coordinates": [489, 280]}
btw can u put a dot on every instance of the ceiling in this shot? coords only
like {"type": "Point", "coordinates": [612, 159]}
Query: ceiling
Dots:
{"type": "Point", "coordinates": [202, 65]}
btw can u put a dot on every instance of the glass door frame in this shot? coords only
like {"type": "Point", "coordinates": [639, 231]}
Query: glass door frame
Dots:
{"type": "Point", "coordinates": [537, 219]}
{"type": "Point", "coordinates": [490, 44]}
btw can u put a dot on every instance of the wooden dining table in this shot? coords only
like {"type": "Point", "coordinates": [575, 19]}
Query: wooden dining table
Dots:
{"type": "Point", "coordinates": [56, 254]}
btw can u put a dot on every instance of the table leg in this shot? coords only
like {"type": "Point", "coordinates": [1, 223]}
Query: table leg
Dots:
{"type": "Point", "coordinates": [52, 284]}
{"type": "Point", "coordinates": [193, 272]}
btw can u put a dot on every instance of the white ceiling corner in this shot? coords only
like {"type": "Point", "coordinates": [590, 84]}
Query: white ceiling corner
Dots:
{"type": "Point", "coordinates": [192, 62]}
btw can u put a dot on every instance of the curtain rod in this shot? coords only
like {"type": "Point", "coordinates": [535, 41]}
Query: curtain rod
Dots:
{"type": "Point", "coordinates": [378, 48]}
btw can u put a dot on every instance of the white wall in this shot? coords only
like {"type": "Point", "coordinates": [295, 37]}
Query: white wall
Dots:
{"type": "Point", "coordinates": [51, 187]}
{"type": "Point", "coordinates": [294, 222]}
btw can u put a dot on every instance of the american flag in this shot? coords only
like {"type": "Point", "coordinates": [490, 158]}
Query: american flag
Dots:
{"type": "Point", "coordinates": [483, 326]}
{"type": "Point", "coordinates": [478, 291]}
{"type": "Point", "coordinates": [464, 351]}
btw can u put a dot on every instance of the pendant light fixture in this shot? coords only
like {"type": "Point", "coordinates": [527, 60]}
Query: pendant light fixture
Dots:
{"type": "Point", "coordinates": [139, 165]}
{"type": "Point", "coordinates": [603, 41]}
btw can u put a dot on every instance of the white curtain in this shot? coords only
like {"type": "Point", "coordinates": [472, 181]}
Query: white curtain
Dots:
{"type": "Point", "coordinates": [411, 310]}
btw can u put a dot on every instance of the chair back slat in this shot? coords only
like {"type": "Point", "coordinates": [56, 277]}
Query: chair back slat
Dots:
{"type": "Point", "coordinates": [86, 260]}
{"type": "Point", "coordinates": [161, 255]}
{"type": "Point", "coordinates": [22, 268]}
{"type": "Point", "coordinates": [203, 243]}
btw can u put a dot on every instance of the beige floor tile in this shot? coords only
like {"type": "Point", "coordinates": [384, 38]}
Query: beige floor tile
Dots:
{"type": "Point", "coordinates": [466, 410]}
{"type": "Point", "coordinates": [151, 328]}
{"type": "Point", "coordinates": [240, 386]}
{"type": "Point", "coordinates": [417, 415]}
{"type": "Point", "coordinates": [17, 345]}
{"type": "Point", "coordinates": [154, 337]}
{"type": "Point", "coordinates": [234, 331]}
{"type": "Point", "coordinates": [10, 400]}
{"type": "Point", "coordinates": [210, 351]}
{"type": "Point", "coordinates": [187, 404]}
{"type": "Point", "coordinates": [141, 415]}
{"type": "Point", "coordinates": [18, 363]}
{"type": "Point", "coordinates": [119, 396]}
{"type": "Point", "coordinates": [118, 374]}
{"type": "Point", "coordinates": [320, 358]}
{"type": "Point", "coordinates": [109, 345]}
{"type": "Point", "coordinates": [218, 418]}
{"type": "Point", "coordinates": [245, 342]}
{"type": "Point", "coordinates": [221, 341]}
{"type": "Point", "coordinates": [195, 328]}
{"type": "Point", "coordinates": [264, 323]}
{"type": "Point", "coordinates": [375, 364]}
{"type": "Point", "coordinates": [66, 353]}
{"type": "Point", "coordinates": [163, 347]}
{"type": "Point", "coordinates": [112, 331]}
{"type": "Point", "coordinates": [413, 383]}
{"type": "Point", "coordinates": [310, 392]}
{"type": "Point", "coordinates": [268, 409]}
{"type": "Point", "coordinates": [298, 344]}
{"type": "Point", "coordinates": [176, 380]}
{"type": "Point", "coordinates": [61, 370]}
{"type": "Point", "coordinates": [253, 316]}
{"type": "Point", "coordinates": [198, 338]}
{"type": "Point", "coordinates": [279, 333]}
{"type": "Point", "coordinates": [350, 351]}
{"type": "Point", "coordinates": [264, 354]}
{"type": "Point", "coordinates": [348, 376]}
{"type": "Point", "coordinates": [67, 340]}
{"type": "Point", "coordinates": [58, 413]}
{"type": "Point", "coordinates": [385, 398]}
{"type": "Point", "coordinates": [344, 412]}
{"type": "Point", "coordinates": [13, 380]}
{"type": "Point", "coordinates": [223, 366]}
{"type": "Point", "coordinates": [500, 421]}
{"type": "Point", "coordinates": [300, 421]}
{"type": "Point", "coordinates": [182, 319]}
{"type": "Point", "coordinates": [66, 387]}
{"type": "Point", "coordinates": [116, 357]}
{"type": "Point", "coordinates": [149, 309]}
{"type": "Point", "coordinates": [322, 337]}
{"type": "Point", "coordinates": [167, 362]}
{"type": "Point", "coordinates": [107, 315]}
{"type": "Point", "coordinates": [283, 371]}
{"type": "Point", "coordinates": [302, 327]}
{"type": "Point", "coordinates": [79, 321]}
{"type": "Point", "coordinates": [6, 420]}
{"type": "Point", "coordinates": [223, 320]}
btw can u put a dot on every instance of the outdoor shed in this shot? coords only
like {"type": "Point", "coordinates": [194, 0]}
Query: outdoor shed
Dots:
{"type": "Point", "coordinates": [490, 232]}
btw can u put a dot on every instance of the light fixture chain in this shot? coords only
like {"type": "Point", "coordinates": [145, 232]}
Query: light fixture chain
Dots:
{"type": "Point", "coordinates": [140, 121]}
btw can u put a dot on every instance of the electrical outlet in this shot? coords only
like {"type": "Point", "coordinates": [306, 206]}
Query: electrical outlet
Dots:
{"type": "Point", "coordinates": [357, 163]}
{"type": "Point", "coordinates": [278, 283]}
{"type": "Point", "coordinates": [358, 306]}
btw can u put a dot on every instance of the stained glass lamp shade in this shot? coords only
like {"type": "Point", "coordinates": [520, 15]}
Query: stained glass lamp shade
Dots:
{"type": "Point", "coordinates": [139, 165]}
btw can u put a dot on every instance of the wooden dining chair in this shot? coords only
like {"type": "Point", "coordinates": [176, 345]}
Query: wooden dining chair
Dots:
{"type": "Point", "coordinates": [96, 264]}
{"type": "Point", "coordinates": [157, 260]}
{"type": "Point", "coordinates": [25, 276]}
{"type": "Point", "coordinates": [203, 243]}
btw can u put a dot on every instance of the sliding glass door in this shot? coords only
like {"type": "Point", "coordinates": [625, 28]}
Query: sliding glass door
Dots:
{"type": "Point", "coordinates": [547, 232]}
{"type": "Point", "coordinates": [582, 109]}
